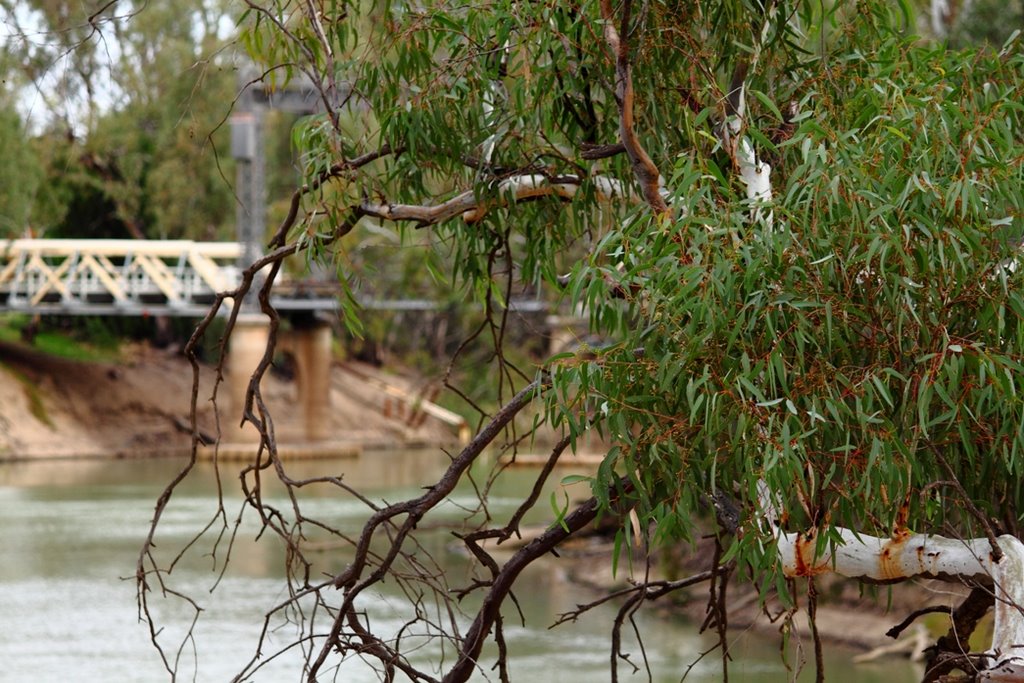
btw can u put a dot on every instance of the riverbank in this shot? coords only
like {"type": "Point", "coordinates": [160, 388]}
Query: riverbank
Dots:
{"type": "Point", "coordinates": [139, 406]}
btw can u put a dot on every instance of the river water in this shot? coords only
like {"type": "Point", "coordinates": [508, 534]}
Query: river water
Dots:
{"type": "Point", "coordinates": [70, 531]}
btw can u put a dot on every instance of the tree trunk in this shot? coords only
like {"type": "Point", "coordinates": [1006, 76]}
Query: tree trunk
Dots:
{"type": "Point", "coordinates": [907, 555]}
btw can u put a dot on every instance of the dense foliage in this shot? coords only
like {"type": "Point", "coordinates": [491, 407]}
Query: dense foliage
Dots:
{"type": "Point", "coordinates": [851, 349]}
{"type": "Point", "coordinates": [860, 349]}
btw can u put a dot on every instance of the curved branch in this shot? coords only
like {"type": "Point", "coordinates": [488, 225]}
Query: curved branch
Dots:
{"type": "Point", "coordinates": [335, 171]}
{"type": "Point", "coordinates": [352, 578]}
{"type": "Point", "coordinates": [899, 628]}
{"type": "Point", "coordinates": [644, 170]}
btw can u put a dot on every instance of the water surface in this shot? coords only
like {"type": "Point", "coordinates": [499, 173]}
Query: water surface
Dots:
{"type": "Point", "coordinates": [71, 530]}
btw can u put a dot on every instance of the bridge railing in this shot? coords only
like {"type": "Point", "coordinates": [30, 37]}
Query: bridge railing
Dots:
{"type": "Point", "coordinates": [130, 277]}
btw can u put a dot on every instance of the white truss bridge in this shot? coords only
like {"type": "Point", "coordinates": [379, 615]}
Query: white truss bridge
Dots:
{"type": "Point", "coordinates": [115, 277]}
{"type": "Point", "coordinates": [154, 277]}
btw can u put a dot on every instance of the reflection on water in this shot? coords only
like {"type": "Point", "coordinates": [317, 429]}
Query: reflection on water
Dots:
{"type": "Point", "coordinates": [70, 530]}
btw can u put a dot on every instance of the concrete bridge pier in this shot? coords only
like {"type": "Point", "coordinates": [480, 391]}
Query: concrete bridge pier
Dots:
{"type": "Point", "coordinates": [309, 345]}
{"type": "Point", "coordinates": [245, 351]}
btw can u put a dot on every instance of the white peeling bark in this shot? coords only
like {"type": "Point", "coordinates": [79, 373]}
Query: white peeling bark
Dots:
{"type": "Point", "coordinates": [523, 187]}
{"type": "Point", "coordinates": [495, 95]}
{"type": "Point", "coordinates": [939, 15]}
{"type": "Point", "coordinates": [754, 174]}
{"type": "Point", "coordinates": [905, 556]}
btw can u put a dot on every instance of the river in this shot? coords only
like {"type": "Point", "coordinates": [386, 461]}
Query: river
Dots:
{"type": "Point", "coordinates": [70, 532]}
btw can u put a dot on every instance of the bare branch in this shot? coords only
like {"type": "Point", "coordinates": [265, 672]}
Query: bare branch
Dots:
{"type": "Point", "coordinates": [653, 590]}
{"type": "Point", "coordinates": [899, 628]}
{"type": "Point", "coordinates": [490, 609]}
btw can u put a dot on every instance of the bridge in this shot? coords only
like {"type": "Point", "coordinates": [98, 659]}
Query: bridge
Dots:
{"type": "Point", "coordinates": [115, 277]}
{"type": "Point", "coordinates": [155, 277]}
{"type": "Point", "coordinates": [182, 278]}
{"type": "Point", "coordinates": [139, 278]}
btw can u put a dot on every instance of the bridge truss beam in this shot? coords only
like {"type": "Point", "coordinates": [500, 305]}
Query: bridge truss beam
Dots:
{"type": "Point", "coordinates": [115, 277]}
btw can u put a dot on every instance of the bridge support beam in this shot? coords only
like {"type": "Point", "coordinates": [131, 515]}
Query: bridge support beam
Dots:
{"type": "Point", "coordinates": [311, 346]}
{"type": "Point", "coordinates": [245, 351]}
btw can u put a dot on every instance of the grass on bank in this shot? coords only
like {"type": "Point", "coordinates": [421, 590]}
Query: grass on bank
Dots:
{"type": "Point", "coordinates": [98, 344]}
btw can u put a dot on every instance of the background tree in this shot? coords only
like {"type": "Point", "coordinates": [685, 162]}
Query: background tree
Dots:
{"type": "Point", "coordinates": [968, 22]}
{"type": "Point", "coordinates": [20, 174]}
{"type": "Point", "coordinates": [798, 224]}
{"type": "Point", "coordinates": [126, 122]}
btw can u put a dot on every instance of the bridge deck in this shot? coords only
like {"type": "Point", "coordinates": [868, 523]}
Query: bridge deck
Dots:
{"type": "Point", "coordinates": [152, 277]}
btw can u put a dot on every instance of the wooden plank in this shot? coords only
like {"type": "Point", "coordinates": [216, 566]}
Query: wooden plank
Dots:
{"type": "Point", "coordinates": [443, 414]}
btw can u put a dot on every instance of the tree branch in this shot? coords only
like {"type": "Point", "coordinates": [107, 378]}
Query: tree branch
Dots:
{"type": "Point", "coordinates": [899, 628]}
{"type": "Point", "coordinates": [473, 208]}
{"type": "Point", "coordinates": [337, 170]}
{"type": "Point", "coordinates": [592, 152]}
{"type": "Point", "coordinates": [644, 170]}
{"type": "Point", "coordinates": [502, 585]}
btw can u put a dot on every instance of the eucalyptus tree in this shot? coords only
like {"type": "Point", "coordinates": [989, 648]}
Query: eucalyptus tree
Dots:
{"type": "Point", "coordinates": [797, 226]}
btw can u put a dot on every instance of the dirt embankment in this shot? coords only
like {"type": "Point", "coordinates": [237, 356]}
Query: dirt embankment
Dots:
{"type": "Point", "coordinates": [140, 406]}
